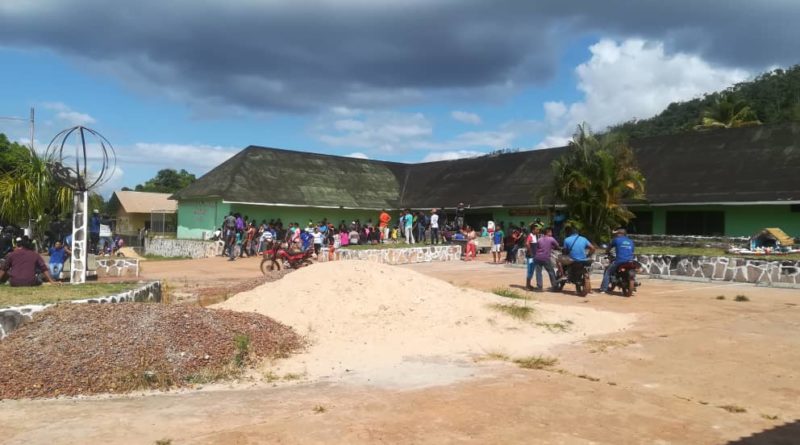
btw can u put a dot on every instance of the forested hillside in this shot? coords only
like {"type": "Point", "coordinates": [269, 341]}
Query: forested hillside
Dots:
{"type": "Point", "coordinates": [774, 97]}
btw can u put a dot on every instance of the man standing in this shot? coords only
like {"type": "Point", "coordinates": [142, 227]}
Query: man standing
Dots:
{"type": "Point", "coordinates": [541, 259]}
{"type": "Point", "coordinates": [460, 216]}
{"type": "Point", "coordinates": [408, 224]}
{"type": "Point", "coordinates": [94, 231]}
{"type": "Point", "coordinates": [422, 225]}
{"type": "Point", "coordinates": [22, 266]}
{"type": "Point", "coordinates": [531, 240]}
{"type": "Point", "coordinates": [624, 250]}
{"type": "Point", "coordinates": [434, 227]}
{"type": "Point", "coordinates": [497, 243]}
{"type": "Point", "coordinates": [383, 223]}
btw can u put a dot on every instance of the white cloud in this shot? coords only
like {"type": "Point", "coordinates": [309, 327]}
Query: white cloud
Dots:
{"type": "Point", "coordinates": [69, 116]}
{"type": "Point", "coordinates": [196, 158]}
{"type": "Point", "coordinates": [632, 79]}
{"type": "Point", "coordinates": [466, 118]}
{"type": "Point", "coordinates": [357, 155]}
{"type": "Point", "coordinates": [451, 155]}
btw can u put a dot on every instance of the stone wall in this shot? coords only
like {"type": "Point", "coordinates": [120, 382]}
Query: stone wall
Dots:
{"type": "Point", "coordinates": [13, 317]}
{"type": "Point", "coordinates": [175, 248]}
{"type": "Point", "coordinates": [117, 267]}
{"type": "Point", "coordinates": [425, 254]}
{"type": "Point", "coordinates": [720, 242]}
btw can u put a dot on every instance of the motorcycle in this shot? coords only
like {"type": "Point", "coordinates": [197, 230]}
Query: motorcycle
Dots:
{"type": "Point", "coordinates": [575, 272]}
{"type": "Point", "coordinates": [624, 277]}
{"type": "Point", "coordinates": [277, 257]}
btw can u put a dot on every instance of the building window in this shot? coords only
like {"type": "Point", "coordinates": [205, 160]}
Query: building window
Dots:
{"type": "Point", "coordinates": [706, 223]}
{"type": "Point", "coordinates": [641, 224]}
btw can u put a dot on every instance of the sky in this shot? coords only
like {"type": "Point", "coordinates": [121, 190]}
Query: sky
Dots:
{"type": "Point", "coordinates": [187, 84]}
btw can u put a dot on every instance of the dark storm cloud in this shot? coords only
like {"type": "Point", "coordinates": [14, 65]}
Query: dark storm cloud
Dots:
{"type": "Point", "coordinates": [299, 56]}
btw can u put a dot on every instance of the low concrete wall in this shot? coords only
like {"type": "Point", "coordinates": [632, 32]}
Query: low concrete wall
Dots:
{"type": "Point", "coordinates": [720, 242]}
{"type": "Point", "coordinates": [739, 270]}
{"type": "Point", "coordinates": [425, 254]}
{"type": "Point", "coordinates": [117, 267]}
{"type": "Point", "coordinates": [13, 317]}
{"type": "Point", "coordinates": [168, 247]}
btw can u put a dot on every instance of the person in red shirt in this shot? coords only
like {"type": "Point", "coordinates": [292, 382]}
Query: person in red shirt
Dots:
{"type": "Point", "coordinates": [383, 223]}
{"type": "Point", "coordinates": [22, 266]}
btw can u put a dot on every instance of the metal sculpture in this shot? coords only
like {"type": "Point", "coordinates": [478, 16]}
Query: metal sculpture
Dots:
{"type": "Point", "coordinates": [82, 168]}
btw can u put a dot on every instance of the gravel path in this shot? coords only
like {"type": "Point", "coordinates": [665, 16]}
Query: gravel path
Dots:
{"type": "Point", "coordinates": [76, 349]}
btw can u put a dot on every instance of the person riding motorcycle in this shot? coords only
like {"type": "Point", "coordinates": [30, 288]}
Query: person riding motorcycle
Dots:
{"type": "Point", "coordinates": [577, 246]}
{"type": "Point", "coordinates": [624, 251]}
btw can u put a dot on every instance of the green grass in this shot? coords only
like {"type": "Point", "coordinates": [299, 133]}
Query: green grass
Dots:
{"type": "Point", "coordinates": [508, 293]}
{"type": "Point", "coordinates": [242, 349]}
{"type": "Point", "coordinates": [562, 326]}
{"type": "Point", "coordinates": [47, 293]}
{"type": "Point", "coordinates": [733, 409]}
{"type": "Point", "coordinates": [720, 297]}
{"type": "Point", "coordinates": [319, 409]}
{"type": "Point", "coordinates": [536, 362]}
{"type": "Point", "coordinates": [518, 312]}
{"type": "Point", "coordinates": [707, 251]}
{"type": "Point", "coordinates": [741, 298]}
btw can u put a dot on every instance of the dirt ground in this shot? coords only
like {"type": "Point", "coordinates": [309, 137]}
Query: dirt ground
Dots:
{"type": "Point", "coordinates": [694, 369]}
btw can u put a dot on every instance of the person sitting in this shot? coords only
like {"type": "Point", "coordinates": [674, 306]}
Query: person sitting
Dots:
{"type": "Point", "coordinates": [624, 250]}
{"type": "Point", "coordinates": [23, 266]}
{"type": "Point", "coordinates": [58, 254]}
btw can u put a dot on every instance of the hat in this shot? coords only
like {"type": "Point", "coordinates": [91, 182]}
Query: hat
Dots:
{"type": "Point", "coordinates": [19, 239]}
{"type": "Point", "coordinates": [619, 230]}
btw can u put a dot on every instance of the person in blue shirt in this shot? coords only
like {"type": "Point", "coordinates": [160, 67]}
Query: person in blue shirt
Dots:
{"type": "Point", "coordinates": [58, 254]}
{"type": "Point", "coordinates": [577, 246]}
{"type": "Point", "coordinates": [624, 251]}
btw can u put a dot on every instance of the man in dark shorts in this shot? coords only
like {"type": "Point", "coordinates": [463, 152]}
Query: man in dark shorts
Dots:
{"type": "Point", "coordinates": [22, 266]}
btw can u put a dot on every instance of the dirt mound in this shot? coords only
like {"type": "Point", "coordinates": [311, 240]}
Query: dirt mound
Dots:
{"type": "Point", "coordinates": [389, 324]}
{"type": "Point", "coordinates": [76, 349]}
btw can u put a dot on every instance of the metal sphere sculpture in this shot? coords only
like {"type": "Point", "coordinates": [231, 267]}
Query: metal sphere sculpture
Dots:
{"type": "Point", "coordinates": [74, 165]}
{"type": "Point", "coordinates": [82, 165]}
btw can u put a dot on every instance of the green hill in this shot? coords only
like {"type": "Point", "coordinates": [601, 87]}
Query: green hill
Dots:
{"type": "Point", "coordinates": [773, 96]}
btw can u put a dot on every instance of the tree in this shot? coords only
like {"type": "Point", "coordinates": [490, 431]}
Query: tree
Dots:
{"type": "Point", "coordinates": [9, 152]}
{"type": "Point", "coordinates": [28, 192]}
{"type": "Point", "coordinates": [594, 178]}
{"type": "Point", "coordinates": [167, 180]}
{"type": "Point", "coordinates": [728, 112]}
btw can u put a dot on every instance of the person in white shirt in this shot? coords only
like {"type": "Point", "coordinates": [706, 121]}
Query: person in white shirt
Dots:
{"type": "Point", "coordinates": [530, 251]}
{"type": "Point", "coordinates": [434, 227]}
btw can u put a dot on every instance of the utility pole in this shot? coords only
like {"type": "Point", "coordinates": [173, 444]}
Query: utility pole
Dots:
{"type": "Point", "coordinates": [30, 120]}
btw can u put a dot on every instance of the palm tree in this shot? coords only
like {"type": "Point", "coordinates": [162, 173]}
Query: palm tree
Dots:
{"type": "Point", "coordinates": [728, 112]}
{"type": "Point", "coordinates": [28, 192]}
{"type": "Point", "coordinates": [594, 178]}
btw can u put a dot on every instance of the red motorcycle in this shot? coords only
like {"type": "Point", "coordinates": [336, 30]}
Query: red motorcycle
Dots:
{"type": "Point", "coordinates": [277, 257]}
{"type": "Point", "coordinates": [624, 277]}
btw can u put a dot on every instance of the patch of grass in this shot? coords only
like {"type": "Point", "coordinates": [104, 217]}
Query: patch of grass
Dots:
{"type": "Point", "coordinates": [536, 362]}
{"type": "Point", "coordinates": [708, 251]}
{"type": "Point", "coordinates": [164, 442]}
{"type": "Point", "coordinates": [270, 376]}
{"type": "Point", "coordinates": [319, 409]}
{"type": "Point", "coordinates": [720, 297]}
{"type": "Point", "coordinates": [46, 293]}
{"type": "Point", "coordinates": [741, 298]}
{"type": "Point", "coordinates": [588, 377]}
{"type": "Point", "coordinates": [769, 417]}
{"type": "Point", "coordinates": [733, 409]}
{"type": "Point", "coordinates": [508, 293]}
{"type": "Point", "coordinates": [605, 345]}
{"type": "Point", "coordinates": [209, 376]}
{"type": "Point", "coordinates": [562, 326]}
{"type": "Point", "coordinates": [611, 383]}
{"type": "Point", "coordinates": [519, 312]}
{"type": "Point", "coordinates": [493, 356]}
{"type": "Point", "coordinates": [242, 349]}
{"type": "Point", "coordinates": [292, 376]}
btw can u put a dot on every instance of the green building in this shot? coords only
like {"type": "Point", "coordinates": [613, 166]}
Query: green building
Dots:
{"type": "Point", "coordinates": [726, 182]}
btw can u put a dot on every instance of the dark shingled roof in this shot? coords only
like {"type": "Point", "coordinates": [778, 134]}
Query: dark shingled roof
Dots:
{"type": "Point", "coordinates": [736, 165]}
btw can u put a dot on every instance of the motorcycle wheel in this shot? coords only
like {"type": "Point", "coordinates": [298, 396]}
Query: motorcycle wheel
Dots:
{"type": "Point", "coordinates": [631, 285]}
{"type": "Point", "coordinates": [267, 266]}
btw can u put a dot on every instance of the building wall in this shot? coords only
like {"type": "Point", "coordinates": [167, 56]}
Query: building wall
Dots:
{"type": "Point", "coordinates": [196, 217]}
{"type": "Point", "coordinates": [742, 220]}
{"type": "Point", "coordinates": [130, 223]}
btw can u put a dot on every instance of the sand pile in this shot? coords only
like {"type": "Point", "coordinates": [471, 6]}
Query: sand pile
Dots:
{"type": "Point", "coordinates": [388, 325]}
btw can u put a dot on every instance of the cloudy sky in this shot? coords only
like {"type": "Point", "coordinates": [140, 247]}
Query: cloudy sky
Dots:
{"type": "Point", "coordinates": [186, 84]}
